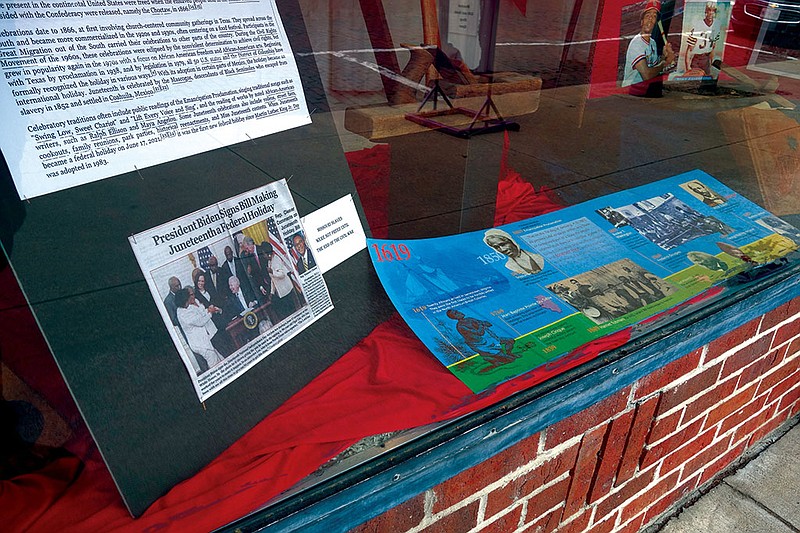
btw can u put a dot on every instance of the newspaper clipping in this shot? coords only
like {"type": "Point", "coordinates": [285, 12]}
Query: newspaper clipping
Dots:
{"type": "Point", "coordinates": [97, 88]}
{"type": "Point", "coordinates": [233, 282]}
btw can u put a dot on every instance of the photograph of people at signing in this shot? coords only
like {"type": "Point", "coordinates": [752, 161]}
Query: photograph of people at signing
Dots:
{"type": "Point", "coordinates": [612, 291]}
{"type": "Point", "coordinates": [226, 294]}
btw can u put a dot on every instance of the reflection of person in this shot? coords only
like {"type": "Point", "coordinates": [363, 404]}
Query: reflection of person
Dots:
{"type": "Point", "coordinates": [701, 192]}
{"type": "Point", "coordinates": [305, 261]}
{"type": "Point", "coordinates": [642, 60]}
{"type": "Point", "coordinates": [701, 42]}
{"type": "Point", "coordinates": [282, 293]}
{"type": "Point", "coordinates": [707, 261]}
{"type": "Point", "coordinates": [197, 325]}
{"type": "Point", "coordinates": [478, 337]}
{"type": "Point", "coordinates": [519, 260]}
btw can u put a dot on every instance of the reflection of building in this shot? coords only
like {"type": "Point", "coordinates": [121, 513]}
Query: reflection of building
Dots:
{"type": "Point", "coordinates": [772, 154]}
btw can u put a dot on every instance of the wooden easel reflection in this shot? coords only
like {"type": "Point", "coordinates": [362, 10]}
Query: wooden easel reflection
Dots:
{"type": "Point", "coordinates": [485, 120]}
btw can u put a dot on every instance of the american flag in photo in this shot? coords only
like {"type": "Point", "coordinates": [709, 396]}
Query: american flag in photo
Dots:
{"type": "Point", "coordinates": [280, 250]}
{"type": "Point", "coordinates": [203, 254]}
{"type": "Point", "coordinates": [275, 240]}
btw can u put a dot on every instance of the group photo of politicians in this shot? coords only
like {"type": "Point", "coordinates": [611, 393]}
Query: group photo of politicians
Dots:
{"type": "Point", "coordinates": [224, 295]}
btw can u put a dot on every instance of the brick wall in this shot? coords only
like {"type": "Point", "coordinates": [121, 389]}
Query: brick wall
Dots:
{"type": "Point", "coordinates": [619, 464]}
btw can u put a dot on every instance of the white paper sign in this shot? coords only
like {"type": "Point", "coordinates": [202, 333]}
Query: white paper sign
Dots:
{"type": "Point", "coordinates": [334, 233]}
{"type": "Point", "coordinates": [97, 88]}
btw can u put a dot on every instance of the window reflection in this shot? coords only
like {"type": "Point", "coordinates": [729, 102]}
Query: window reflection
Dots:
{"type": "Point", "coordinates": [727, 95]}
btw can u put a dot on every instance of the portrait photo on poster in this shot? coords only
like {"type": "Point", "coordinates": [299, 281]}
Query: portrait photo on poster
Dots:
{"type": "Point", "coordinates": [231, 283]}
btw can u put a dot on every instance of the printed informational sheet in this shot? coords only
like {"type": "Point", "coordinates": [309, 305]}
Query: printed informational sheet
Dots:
{"type": "Point", "coordinates": [704, 27]}
{"type": "Point", "coordinates": [97, 88]}
{"type": "Point", "coordinates": [334, 233]}
{"type": "Point", "coordinates": [233, 282]}
{"type": "Point", "coordinates": [494, 304]}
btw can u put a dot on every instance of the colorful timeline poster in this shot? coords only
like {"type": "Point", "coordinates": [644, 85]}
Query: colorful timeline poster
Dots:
{"type": "Point", "coordinates": [494, 304]}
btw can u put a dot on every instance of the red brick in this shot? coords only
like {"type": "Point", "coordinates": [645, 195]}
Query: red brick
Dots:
{"type": "Point", "coordinates": [463, 519]}
{"type": "Point", "coordinates": [467, 482]}
{"type": "Point", "coordinates": [664, 426]}
{"type": "Point", "coordinates": [687, 452]}
{"type": "Point", "coordinates": [548, 471]}
{"type": "Point", "coordinates": [781, 389]}
{"type": "Point", "coordinates": [776, 316]}
{"type": "Point", "coordinates": [518, 488]}
{"type": "Point", "coordinates": [794, 347]}
{"type": "Point", "coordinates": [547, 499]}
{"type": "Point", "coordinates": [785, 370]}
{"type": "Point", "coordinates": [705, 457]}
{"type": "Point", "coordinates": [588, 418]}
{"type": "Point", "coordinates": [642, 422]}
{"type": "Point", "coordinates": [714, 468]}
{"type": "Point", "coordinates": [504, 524]}
{"type": "Point", "coordinates": [746, 355]}
{"type": "Point", "coordinates": [666, 446]}
{"type": "Point", "coordinates": [730, 340]}
{"type": "Point", "coordinates": [670, 499]}
{"type": "Point", "coordinates": [786, 332]}
{"type": "Point", "coordinates": [643, 501]}
{"type": "Point", "coordinates": [790, 398]}
{"type": "Point", "coordinates": [730, 406]}
{"type": "Point", "coordinates": [659, 379]}
{"type": "Point", "coordinates": [606, 526]}
{"type": "Point", "coordinates": [706, 401]}
{"type": "Point", "coordinates": [400, 518]}
{"type": "Point", "coordinates": [755, 371]}
{"type": "Point", "coordinates": [578, 525]}
{"type": "Point", "coordinates": [689, 388]}
{"type": "Point", "coordinates": [633, 526]}
{"type": "Point", "coordinates": [741, 415]}
{"type": "Point", "coordinates": [747, 429]}
{"type": "Point", "coordinates": [544, 524]}
{"type": "Point", "coordinates": [611, 455]}
{"type": "Point", "coordinates": [583, 474]}
{"type": "Point", "coordinates": [768, 427]}
{"type": "Point", "coordinates": [626, 491]}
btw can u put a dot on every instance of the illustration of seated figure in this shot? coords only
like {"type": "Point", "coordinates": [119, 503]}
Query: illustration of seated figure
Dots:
{"type": "Point", "coordinates": [479, 337]}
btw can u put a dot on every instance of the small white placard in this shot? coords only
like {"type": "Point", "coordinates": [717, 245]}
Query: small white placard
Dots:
{"type": "Point", "coordinates": [334, 233]}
